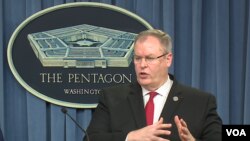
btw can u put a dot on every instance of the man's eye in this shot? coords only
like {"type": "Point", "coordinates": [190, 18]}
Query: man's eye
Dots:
{"type": "Point", "coordinates": [137, 58]}
{"type": "Point", "coordinates": [150, 59]}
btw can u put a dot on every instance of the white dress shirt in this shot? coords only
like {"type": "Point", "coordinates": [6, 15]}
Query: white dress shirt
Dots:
{"type": "Point", "coordinates": [159, 99]}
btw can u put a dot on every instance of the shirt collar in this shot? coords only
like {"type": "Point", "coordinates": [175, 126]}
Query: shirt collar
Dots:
{"type": "Point", "coordinates": [163, 90]}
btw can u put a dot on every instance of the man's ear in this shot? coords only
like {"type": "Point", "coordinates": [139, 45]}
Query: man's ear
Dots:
{"type": "Point", "coordinates": [169, 59]}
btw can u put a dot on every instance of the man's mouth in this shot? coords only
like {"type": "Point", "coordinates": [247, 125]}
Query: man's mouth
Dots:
{"type": "Point", "coordinates": [143, 74]}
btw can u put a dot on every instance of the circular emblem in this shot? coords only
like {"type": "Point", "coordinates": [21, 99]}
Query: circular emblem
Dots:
{"type": "Point", "coordinates": [67, 53]}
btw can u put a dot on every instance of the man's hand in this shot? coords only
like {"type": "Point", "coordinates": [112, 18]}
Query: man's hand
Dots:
{"type": "Point", "coordinates": [151, 132]}
{"type": "Point", "coordinates": [183, 131]}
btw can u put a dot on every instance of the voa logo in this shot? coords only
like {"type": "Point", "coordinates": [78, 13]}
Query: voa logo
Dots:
{"type": "Point", "coordinates": [236, 132]}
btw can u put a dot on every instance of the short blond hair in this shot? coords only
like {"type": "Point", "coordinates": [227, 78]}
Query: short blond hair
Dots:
{"type": "Point", "coordinates": [163, 37]}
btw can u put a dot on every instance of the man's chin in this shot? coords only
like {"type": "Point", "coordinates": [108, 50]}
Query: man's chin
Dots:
{"type": "Point", "coordinates": [144, 82]}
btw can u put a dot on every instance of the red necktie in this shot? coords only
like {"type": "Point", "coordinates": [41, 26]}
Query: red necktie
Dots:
{"type": "Point", "coordinates": [149, 108]}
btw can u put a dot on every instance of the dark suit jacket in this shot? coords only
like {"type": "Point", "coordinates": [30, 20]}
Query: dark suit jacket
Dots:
{"type": "Point", "coordinates": [121, 110]}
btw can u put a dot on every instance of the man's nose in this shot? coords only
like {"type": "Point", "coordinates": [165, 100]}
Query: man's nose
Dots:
{"type": "Point", "coordinates": [144, 63]}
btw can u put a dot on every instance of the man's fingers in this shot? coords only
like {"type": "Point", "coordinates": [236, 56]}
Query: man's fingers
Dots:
{"type": "Point", "coordinates": [183, 123]}
{"type": "Point", "coordinates": [162, 132]}
{"type": "Point", "coordinates": [177, 122]}
{"type": "Point", "coordinates": [164, 126]}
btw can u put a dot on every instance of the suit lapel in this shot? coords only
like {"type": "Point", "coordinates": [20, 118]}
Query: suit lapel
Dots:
{"type": "Point", "coordinates": [173, 101]}
{"type": "Point", "coordinates": [135, 99]}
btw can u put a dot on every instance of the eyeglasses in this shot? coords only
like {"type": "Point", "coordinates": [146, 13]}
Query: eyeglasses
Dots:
{"type": "Point", "coordinates": [148, 60]}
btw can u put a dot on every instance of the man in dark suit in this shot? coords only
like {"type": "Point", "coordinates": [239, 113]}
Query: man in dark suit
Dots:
{"type": "Point", "coordinates": [177, 112]}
